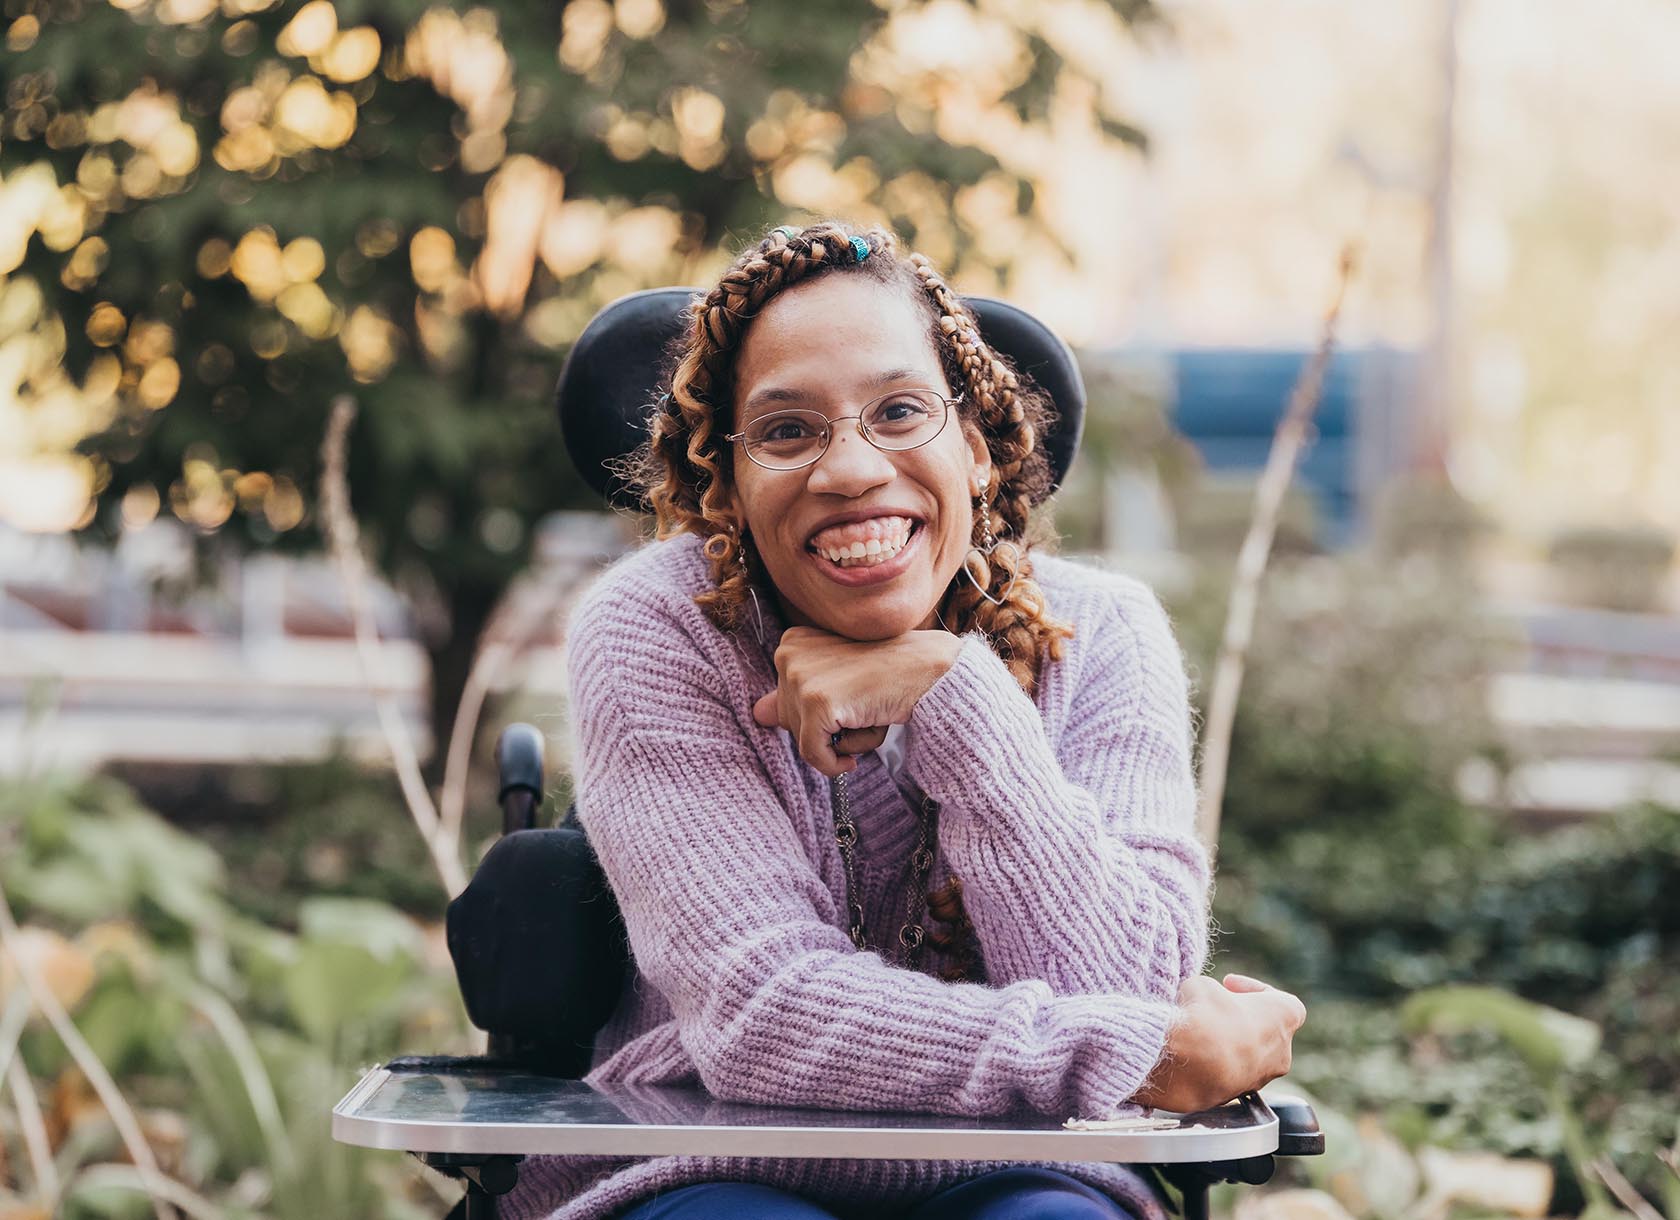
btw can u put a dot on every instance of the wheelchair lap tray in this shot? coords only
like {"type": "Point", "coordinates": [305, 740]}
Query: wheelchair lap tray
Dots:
{"type": "Point", "coordinates": [465, 1107]}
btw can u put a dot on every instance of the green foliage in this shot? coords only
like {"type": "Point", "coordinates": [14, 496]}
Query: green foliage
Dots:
{"type": "Point", "coordinates": [1477, 987]}
{"type": "Point", "coordinates": [244, 1033]}
{"type": "Point", "coordinates": [332, 827]}
{"type": "Point", "coordinates": [1548, 1041]}
{"type": "Point", "coordinates": [1341, 817]}
{"type": "Point", "coordinates": [90, 852]}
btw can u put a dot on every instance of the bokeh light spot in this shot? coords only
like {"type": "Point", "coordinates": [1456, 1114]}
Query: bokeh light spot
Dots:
{"type": "Point", "coordinates": [106, 324]}
{"type": "Point", "coordinates": [310, 31]}
{"type": "Point", "coordinates": [140, 505]}
{"type": "Point", "coordinates": [159, 384]}
{"type": "Point", "coordinates": [352, 56]}
{"type": "Point", "coordinates": [303, 259]}
{"type": "Point", "coordinates": [431, 255]}
{"type": "Point", "coordinates": [283, 505]}
{"type": "Point", "coordinates": [214, 258]}
{"type": "Point", "coordinates": [639, 18]}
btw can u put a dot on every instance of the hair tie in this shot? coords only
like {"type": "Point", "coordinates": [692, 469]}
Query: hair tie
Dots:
{"type": "Point", "coordinates": [787, 231]}
{"type": "Point", "coordinates": [860, 249]}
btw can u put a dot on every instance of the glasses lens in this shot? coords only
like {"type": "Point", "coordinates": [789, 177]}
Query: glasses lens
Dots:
{"type": "Point", "coordinates": [787, 439]}
{"type": "Point", "coordinates": [904, 418]}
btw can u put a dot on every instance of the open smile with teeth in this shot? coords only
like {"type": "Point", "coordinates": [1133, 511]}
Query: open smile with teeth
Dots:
{"type": "Point", "coordinates": [863, 544]}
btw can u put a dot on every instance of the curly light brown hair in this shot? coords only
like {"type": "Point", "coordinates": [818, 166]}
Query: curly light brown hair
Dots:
{"type": "Point", "coordinates": [686, 467]}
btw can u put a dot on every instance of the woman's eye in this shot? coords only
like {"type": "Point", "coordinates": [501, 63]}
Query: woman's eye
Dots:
{"type": "Point", "coordinates": [901, 410]}
{"type": "Point", "coordinates": [784, 430]}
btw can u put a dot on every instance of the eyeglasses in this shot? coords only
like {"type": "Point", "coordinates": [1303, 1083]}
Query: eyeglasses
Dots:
{"type": "Point", "coordinates": [794, 438]}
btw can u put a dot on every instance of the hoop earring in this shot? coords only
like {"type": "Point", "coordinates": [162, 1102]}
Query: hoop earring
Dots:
{"type": "Point", "coordinates": [989, 545]}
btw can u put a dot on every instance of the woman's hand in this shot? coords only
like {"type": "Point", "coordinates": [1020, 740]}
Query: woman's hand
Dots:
{"type": "Point", "coordinates": [1228, 1039]}
{"type": "Point", "coordinates": [829, 684]}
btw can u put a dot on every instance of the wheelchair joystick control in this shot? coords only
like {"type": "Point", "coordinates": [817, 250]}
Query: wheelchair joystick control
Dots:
{"type": "Point", "coordinates": [519, 762]}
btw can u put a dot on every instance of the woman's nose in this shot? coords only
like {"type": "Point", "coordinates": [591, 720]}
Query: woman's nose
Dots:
{"type": "Point", "coordinates": [850, 465]}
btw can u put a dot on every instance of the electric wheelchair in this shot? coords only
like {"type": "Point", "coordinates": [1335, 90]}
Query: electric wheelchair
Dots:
{"type": "Point", "coordinates": [541, 956]}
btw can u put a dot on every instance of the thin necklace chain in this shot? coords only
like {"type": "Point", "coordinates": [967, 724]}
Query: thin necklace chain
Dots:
{"type": "Point", "coordinates": [912, 933]}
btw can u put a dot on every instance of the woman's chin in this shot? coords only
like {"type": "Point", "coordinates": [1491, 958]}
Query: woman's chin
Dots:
{"type": "Point", "coordinates": [884, 618]}
{"type": "Point", "coordinates": [875, 601]}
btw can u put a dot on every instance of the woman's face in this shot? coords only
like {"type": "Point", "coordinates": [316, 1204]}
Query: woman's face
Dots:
{"type": "Point", "coordinates": [831, 345]}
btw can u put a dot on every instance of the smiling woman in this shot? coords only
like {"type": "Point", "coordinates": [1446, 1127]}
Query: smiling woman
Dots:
{"type": "Point", "coordinates": [898, 813]}
{"type": "Point", "coordinates": [781, 331]}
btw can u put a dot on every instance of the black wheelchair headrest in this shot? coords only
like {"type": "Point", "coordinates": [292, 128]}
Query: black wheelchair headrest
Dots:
{"type": "Point", "coordinates": [611, 378]}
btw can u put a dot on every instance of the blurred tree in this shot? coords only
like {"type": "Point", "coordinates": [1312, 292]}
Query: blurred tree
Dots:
{"type": "Point", "coordinates": [228, 213]}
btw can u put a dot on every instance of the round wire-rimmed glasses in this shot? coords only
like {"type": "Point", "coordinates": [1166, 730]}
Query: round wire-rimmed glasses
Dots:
{"type": "Point", "coordinates": [791, 438]}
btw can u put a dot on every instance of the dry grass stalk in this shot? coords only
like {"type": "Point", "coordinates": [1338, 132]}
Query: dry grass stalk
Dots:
{"type": "Point", "coordinates": [1287, 442]}
{"type": "Point", "coordinates": [340, 526]}
{"type": "Point", "coordinates": [33, 1124]}
{"type": "Point", "coordinates": [12, 1020]}
{"type": "Point", "coordinates": [488, 668]}
{"type": "Point", "coordinates": [123, 1177]}
{"type": "Point", "coordinates": [1605, 1170]}
{"type": "Point", "coordinates": [149, 1177]}
{"type": "Point", "coordinates": [253, 1075]}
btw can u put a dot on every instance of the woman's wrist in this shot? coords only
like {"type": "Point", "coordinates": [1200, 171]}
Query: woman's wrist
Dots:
{"type": "Point", "coordinates": [941, 650]}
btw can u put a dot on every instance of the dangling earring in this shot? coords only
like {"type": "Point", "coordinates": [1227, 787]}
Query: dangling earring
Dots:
{"type": "Point", "coordinates": [743, 542]}
{"type": "Point", "coordinates": [757, 614]}
{"type": "Point", "coordinates": [988, 544]}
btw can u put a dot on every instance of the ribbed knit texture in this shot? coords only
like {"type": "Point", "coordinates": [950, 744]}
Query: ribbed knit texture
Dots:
{"type": "Point", "coordinates": [1069, 819]}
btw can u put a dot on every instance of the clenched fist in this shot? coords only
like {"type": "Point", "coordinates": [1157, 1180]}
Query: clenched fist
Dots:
{"type": "Point", "coordinates": [1228, 1039]}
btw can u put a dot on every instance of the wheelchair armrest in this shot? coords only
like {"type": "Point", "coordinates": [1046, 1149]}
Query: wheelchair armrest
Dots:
{"type": "Point", "coordinates": [539, 948]}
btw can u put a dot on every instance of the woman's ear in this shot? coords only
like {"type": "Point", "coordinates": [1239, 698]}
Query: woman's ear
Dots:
{"type": "Point", "coordinates": [980, 459]}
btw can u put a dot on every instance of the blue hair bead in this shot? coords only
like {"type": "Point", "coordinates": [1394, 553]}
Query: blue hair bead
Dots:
{"type": "Point", "coordinates": [860, 249]}
{"type": "Point", "coordinates": [787, 231]}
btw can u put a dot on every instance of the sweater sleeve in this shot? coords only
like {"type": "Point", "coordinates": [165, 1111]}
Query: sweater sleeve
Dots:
{"type": "Point", "coordinates": [1080, 863]}
{"type": "Point", "coordinates": [729, 918]}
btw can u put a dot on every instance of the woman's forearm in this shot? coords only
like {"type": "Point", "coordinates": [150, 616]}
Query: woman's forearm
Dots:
{"type": "Point", "coordinates": [1079, 865]}
{"type": "Point", "coordinates": [773, 1005]}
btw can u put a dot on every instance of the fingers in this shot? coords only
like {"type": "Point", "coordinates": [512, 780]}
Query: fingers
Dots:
{"type": "Point", "coordinates": [815, 747]}
{"type": "Point", "coordinates": [818, 747]}
{"type": "Point", "coordinates": [860, 741]}
{"type": "Point", "coordinates": [1276, 1052]}
{"type": "Point", "coordinates": [1232, 1035]}
{"type": "Point", "coordinates": [1295, 1012]}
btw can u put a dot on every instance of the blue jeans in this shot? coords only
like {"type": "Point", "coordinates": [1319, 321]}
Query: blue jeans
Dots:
{"type": "Point", "coordinates": [1005, 1194]}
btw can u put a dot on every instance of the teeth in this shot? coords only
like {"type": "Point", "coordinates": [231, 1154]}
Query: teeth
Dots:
{"type": "Point", "coordinates": [870, 552]}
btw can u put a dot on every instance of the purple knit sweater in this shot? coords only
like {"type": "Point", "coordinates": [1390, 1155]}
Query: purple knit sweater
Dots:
{"type": "Point", "coordinates": [1069, 819]}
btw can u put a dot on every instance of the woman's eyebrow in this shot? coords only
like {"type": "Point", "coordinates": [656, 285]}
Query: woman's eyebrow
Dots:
{"type": "Point", "coordinates": [774, 394]}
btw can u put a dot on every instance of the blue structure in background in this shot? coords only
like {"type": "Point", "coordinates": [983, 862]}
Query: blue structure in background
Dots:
{"type": "Point", "coordinates": [1227, 402]}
